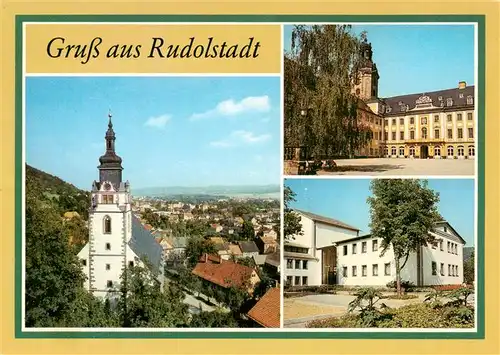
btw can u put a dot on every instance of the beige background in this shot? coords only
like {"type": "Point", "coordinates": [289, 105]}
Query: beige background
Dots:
{"type": "Point", "coordinates": [38, 37]}
{"type": "Point", "coordinates": [9, 345]}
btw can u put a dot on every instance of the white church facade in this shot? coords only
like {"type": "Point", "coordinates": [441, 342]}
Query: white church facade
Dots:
{"type": "Point", "coordinates": [117, 239]}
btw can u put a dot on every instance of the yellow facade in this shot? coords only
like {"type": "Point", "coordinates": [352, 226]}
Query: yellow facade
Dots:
{"type": "Point", "coordinates": [432, 135]}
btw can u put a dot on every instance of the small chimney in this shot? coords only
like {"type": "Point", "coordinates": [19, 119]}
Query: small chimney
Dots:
{"type": "Point", "coordinates": [206, 257]}
{"type": "Point", "coordinates": [462, 84]}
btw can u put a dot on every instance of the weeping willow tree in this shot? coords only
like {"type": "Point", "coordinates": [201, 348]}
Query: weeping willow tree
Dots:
{"type": "Point", "coordinates": [320, 110]}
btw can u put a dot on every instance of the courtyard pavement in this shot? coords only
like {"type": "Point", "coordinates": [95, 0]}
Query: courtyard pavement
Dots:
{"type": "Point", "coordinates": [298, 311]}
{"type": "Point", "coordinates": [397, 166]}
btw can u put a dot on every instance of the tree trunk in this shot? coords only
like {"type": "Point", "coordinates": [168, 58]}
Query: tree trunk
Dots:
{"type": "Point", "coordinates": [398, 277]}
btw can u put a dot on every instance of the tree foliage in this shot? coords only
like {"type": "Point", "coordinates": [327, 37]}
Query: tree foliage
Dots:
{"type": "Point", "coordinates": [196, 247]}
{"type": "Point", "coordinates": [247, 231]}
{"type": "Point", "coordinates": [319, 73]}
{"type": "Point", "coordinates": [469, 270]}
{"type": "Point", "coordinates": [402, 212]}
{"type": "Point", "coordinates": [291, 223]}
{"type": "Point", "coordinates": [54, 292]}
{"type": "Point", "coordinates": [142, 303]}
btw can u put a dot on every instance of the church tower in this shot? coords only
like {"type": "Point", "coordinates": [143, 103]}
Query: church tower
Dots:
{"type": "Point", "coordinates": [366, 86]}
{"type": "Point", "coordinates": [104, 258]}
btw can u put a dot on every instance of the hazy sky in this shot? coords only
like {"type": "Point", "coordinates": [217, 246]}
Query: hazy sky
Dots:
{"type": "Point", "coordinates": [177, 131]}
{"type": "Point", "coordinates": [418, 58]}
{"type": "Point", "coordinates": [345, 200]}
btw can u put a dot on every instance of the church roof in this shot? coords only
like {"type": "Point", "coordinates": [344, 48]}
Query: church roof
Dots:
{"type": "Point", "coordinates": [145, 245]}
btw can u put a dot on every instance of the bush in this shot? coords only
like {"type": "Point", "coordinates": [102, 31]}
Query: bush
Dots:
{"type": "Point", "coordinates": [420, 315]}
{"type": "Point", "coordinates": [402, 297]}
{"type": "Point", "coordinates": [407, 286]}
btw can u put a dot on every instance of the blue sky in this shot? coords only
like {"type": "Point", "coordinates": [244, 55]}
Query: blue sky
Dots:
{"type": "Point", "coordinates": [345, 200]}
{"type": "Point", "coordinates": [418, 58]}
{"type": "Point", "coordinates": [177, 131]}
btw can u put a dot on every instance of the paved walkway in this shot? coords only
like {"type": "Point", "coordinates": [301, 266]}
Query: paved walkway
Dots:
{"type": "Point", "coordinates": [396, 166]}
{"type": "Point", "coordinates": [300, 310]}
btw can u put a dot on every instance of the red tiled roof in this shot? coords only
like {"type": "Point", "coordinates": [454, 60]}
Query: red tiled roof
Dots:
{"type": "Point", "coordinates": [224, 273]}
{"type": "Point", "coordinates": [148, 227]}
{"type": "Point", "coordinates": [266, 311]}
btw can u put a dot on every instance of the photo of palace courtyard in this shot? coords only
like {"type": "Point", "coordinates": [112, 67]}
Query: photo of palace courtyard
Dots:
{"type": "Point", "coordinates": [336, 122]}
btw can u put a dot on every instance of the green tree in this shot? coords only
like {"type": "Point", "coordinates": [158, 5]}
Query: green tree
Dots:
{"type": "Point", "coordinates": [196, 247]}
{"type": "Point", "coordinates": [143, 304]}
{"type": "Point", "coordinates": [319, 108]}
{"type": "Point", "coordinates": [247, 231]}
{"type": "Point", "coordinates": [402, 212]}
{"type": "Point", "coordinates": [215, 319]}
{"type": "Point", "coordinates": [53, 284]}
{"type": "Point", "coordinates": [291, 224]}
{"type": "Point", "coordinates": [469, 269]}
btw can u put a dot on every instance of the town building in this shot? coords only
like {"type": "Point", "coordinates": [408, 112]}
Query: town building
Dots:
{"type": "Point", "coordinates": [248, 248]}
{"type": "Point", "coordinates": [117, 239]}
{"type": "Point", "coordinates": [311, 258]}
{"type": "Point", "coordinates": [428, 125]}
{"type": "Point", "coordinates": [226, 274]}
{"type": "Point", "coordinates": [361, 263]}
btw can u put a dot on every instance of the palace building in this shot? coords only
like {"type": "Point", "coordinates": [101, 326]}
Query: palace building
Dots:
{"type": "Point", "coordinates": [117, 239]}
{"type": "Point", "coordinates": [439, 124]}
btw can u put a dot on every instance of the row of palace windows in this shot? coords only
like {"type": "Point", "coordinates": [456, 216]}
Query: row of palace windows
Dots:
{"type": "Point", "coordinates": [354, 247]}
{"type": "Point", "coordinates": [460, 134]}
{"type": "Point", "coordinates": [364, 270]}
{"type": "Point", "coordinates": [452, 269]}
{"type": "Point", "coordinates": [423, 120]}
{"type": "Point", "coordinates": [290, 279]}
{"type": "Point", "coordinates": [437, 151]}
{"type": "Point", "coordinates": [290, 264]}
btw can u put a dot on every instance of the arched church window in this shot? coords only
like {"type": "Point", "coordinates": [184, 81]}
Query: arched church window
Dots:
{"type": "Point", "coordinates": [107, 225]}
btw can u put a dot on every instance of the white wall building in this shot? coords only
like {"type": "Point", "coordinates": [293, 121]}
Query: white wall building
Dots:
{"type": "Point", "coordinates": [359, 262]}
{"type": "Point", "coordinates": [117, 239]}
{"type": "Point", "coordinates": [310, 258]}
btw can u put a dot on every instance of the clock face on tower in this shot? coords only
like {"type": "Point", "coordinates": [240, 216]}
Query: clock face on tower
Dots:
{"type": "Point", "coordinates": [107, 186]}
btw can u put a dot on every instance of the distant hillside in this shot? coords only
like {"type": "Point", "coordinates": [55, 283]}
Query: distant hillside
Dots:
{"type": "Point", "coordinates": [228, 191]}
{"type": "Point", "coordinates": [49, 188]}
{"type": "Point", "coordinates": [49, 183]}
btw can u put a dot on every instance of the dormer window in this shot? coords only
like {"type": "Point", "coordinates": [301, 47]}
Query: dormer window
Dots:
{"type": "Point", "coordinates": [461, 95]}
{"type": "Point", "coordinates": [440, 98]}
{"type": "Point", "coordinates": [470, 100]}
{"type": "Point", "coordinates": [403, 108]}
{"type": "Point", "coordinates": [449, 101]}
{"type": "Point", "coordinates": [400, 103]}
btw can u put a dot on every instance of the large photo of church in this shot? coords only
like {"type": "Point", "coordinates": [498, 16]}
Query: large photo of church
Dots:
{"type": "Point", "coordinates": [370, 99]}
{"type": "Point", "coordinates": [152, 202]}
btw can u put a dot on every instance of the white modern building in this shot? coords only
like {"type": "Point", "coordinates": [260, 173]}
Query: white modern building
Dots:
{"type": "Point", "coordinates": [360, 263]}
{"type": "Point", "coordinates": [310, 258]}
{"type": "Point", "coordinates": [117, 239]}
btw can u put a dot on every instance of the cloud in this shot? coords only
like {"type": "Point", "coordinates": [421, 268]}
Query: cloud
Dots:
{"type": "Point", "coordinates": [232, 108]}
{"type": "Point", "coordinates": [240, 137]}
{"type": "Point", "coordinates": [158, 121]}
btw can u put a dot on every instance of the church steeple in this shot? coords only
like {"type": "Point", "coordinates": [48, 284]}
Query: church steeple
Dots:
{"type": "Point", "coordinates": [110, 168]}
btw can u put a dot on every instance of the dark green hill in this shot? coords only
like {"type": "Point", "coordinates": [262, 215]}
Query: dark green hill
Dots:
{"type": "Point", "coordinates": [64, 197]}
